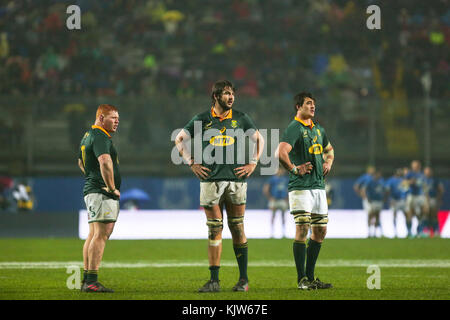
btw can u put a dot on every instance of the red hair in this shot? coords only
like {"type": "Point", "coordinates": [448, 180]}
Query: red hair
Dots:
{"type": "Point", "coordinates": [104, 109]}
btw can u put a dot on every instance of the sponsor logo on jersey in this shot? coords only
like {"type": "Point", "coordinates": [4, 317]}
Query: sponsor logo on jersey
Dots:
{"type": "Point", "coordinates": [316, 149]}
{"type": "Point", "coordinates": [222, 141]}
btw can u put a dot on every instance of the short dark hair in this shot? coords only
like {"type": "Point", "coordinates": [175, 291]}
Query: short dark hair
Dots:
{"type": "Point", "coordinates": [218, 88]}
{"type": "Point", "coordinates": [300, 99]}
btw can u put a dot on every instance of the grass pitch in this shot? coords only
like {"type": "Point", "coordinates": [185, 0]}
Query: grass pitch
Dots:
{"type": "Point", "coordinates": [175, 269]}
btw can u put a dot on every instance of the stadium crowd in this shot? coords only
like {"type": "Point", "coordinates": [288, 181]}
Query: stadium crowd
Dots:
{"type": "Point", "coordinates": [268, 48]}
{"type": "Point", "coordinates": [152, 55]}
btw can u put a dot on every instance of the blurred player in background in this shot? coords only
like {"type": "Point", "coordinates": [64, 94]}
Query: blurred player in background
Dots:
{"type": "Point", "coordinates": [434, 190]}
{"type": "Point", "coordinates": [276, 191]}
{"type": "Point", "coordinates": [396, 191]}
{"type": "Point", "coordinates": [307, 154]}
{"type": "Point", "coordinates": [223, 184]}
{"type": "Point", "coordinates": [361, 182]}
{"type": "Point", "coordinates": [415, 201]}
{"type": "Point", "coordinates": [374, 192]}
{"type": "Point", "coordinates": [99, 162]}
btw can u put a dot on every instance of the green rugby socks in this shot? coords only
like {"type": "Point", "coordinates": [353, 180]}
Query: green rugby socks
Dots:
{"type": "Point", "coordinates": [312, 252]}
{"type": "Point", "coordinates": [214, 270]}
{"type": "Point", "coordinates": [241, 252]}
{"type": "Point", "coordinates": [92, 276]}
{"type": "Point", "coordinates": [299, 249]}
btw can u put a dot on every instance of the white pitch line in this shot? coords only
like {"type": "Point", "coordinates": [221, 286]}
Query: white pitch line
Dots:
{"type": "Point", "coordinates": [404, 263]}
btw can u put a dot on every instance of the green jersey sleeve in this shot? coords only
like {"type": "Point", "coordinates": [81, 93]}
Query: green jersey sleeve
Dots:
{"type": "Point", "coordinates": [190, 126]}
{"type": "Point", "coordinates": [290, 135]}
{"type": "Point", "coordinates": [101, 145]}
{"type": "Point", "coordinates": [248, 123]}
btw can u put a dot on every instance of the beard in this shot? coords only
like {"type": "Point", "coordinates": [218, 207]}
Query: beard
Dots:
{"type": "Point", "coordinates": [224, 105]}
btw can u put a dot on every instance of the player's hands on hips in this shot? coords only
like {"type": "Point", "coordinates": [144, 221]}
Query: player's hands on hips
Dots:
{"type": "Point", "coordinates": [115, 193]}
{"type": "Point", "coordinates": [200, 171]}
{"type": "Point", "coordinates": [326, 168]}
{"type": "Point", "coordinates": [304, 168]}
{"type": "Point", "coordinates": [246, 170]}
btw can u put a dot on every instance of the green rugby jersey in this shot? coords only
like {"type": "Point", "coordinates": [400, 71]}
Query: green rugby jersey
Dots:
{"type": "Point", "coordinates": [307, 144]}
{"type": "Point", "coordinates": [96, 142]}
{"type": "Point", "coordinates": [221, 143]}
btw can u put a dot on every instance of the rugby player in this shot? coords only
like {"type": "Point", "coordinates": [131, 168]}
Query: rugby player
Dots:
{"type": "Point", "coordinates": [99, 162]}
{"type": "Point", "coordinates": [396, 190]}
{"type": "Point", "coordinates": [374, 192]}
{"type": "Point", "coordinates": [276, 191]}
{"type": "Point", "coordinates": [308, 155]}
{"type": "Point", "coordinates": [361, 182]}
{"type": "Point", "coordinates": [434, 190]}
{"type": "Point", "coordinates": [223, 183]}
{"type": "Point", "coordinates": [415, 200]}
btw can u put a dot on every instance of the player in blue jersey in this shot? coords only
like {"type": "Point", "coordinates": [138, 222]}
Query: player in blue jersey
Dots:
{"type": "Point", "coordinates": [360, 183]}
{"type": "Point", "coordinates": [415, 201]}
{"type": "Point", "coordinates": [397, 189]}
{"type": "Point", "coordinates": [433, 190]}
{"type": "Point", "coordinates": [359, 186]}
{"type": "Point", "coordinates": [374, 192]}
{"type": "Point", "coordinates": [276, 191]}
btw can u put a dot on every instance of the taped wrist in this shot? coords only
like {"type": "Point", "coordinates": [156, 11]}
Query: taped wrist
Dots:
{"type": "Point", "coordinates": [294, 170]}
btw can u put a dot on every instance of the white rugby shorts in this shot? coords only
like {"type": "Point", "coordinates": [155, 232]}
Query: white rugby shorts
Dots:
{"type": "Point", "coordinates": [415, 201]}
{"type": "Point", "coordinates": [398, 205]}
{"type": "Point", "coordinates": [101, 208]}
{"type": "Point", "coordinates": [212, 193]}
{"type": "Point", "coordinates": [310, 201]}
{"type": "Point", "coordinates": [278, 204]}
{"type": "Point", "coordinates": [375, 206]}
